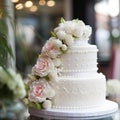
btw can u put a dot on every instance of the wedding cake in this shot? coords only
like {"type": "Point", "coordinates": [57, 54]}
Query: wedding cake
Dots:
{"type": "Point", "coordinates": [65, 75]}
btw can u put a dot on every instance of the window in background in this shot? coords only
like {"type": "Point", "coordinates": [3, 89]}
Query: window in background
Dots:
{"type": "Point", "coordinates": [108, 37]}
{"type": "Point", "coordinates": [106, 11]}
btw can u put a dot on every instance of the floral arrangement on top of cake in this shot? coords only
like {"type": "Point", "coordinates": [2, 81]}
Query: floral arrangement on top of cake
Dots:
{"type": "Point", "coordinates": [46, 70]}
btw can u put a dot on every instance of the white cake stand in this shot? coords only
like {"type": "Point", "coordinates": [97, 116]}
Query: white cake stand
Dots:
{"type": "Point", "coordinates": [107, 109]}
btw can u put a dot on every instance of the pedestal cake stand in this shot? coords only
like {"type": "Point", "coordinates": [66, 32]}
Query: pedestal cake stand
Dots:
{"type": "Point", "coordinates": [107, 109]}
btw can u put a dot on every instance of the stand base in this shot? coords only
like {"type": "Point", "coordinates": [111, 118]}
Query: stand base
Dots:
{"type": "Point", "coordinates": [108, 109]}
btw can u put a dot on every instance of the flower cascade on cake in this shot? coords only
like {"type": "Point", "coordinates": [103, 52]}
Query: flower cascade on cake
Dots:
{"type": "Point", "coordinates": [47, 68]}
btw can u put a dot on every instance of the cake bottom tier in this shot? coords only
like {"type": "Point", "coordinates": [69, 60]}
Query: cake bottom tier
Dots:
{"type": "Point", "coordinates": [80, 93]}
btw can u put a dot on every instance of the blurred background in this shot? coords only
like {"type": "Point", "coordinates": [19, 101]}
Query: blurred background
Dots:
{"type": "Point", "coordinates": [34, 19]}
{"type": "Point", "coordinates": [25, 25]}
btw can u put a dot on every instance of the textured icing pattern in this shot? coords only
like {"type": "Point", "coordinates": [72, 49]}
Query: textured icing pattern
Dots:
{"type": "Point", "coordinates": [79, 85]}
{"type": "Point", "coordinates": [80, 92]}
{"type": "Point", "coordinates": [79, 59]}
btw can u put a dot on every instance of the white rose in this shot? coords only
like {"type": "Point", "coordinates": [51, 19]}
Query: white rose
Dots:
{"type": "Point", "coordinates": [60, 27]}
{"type": "Point", "coordinates": [53, 75]}
{"type": "Point", "coordinates": [69, 40]}
{"type": "Point", "coordinates": [61, 34]}
{"type": "Point", "coordinates": [79, 23]}
{"type": "Point", "coordinates": [47, 104]}
{"type": "Point", "coordinates": [78, 32]}
{"type": "Point", "coordinates": [56, 29]}
{"type": "Point", "coordinates": [88, 30]}
{"type": "Point", "coordinates": [64, 47]}
{"type": "Point", "coordinates": [55, 41]}
{"type": "Point", "coordinates": [86, 33]}
{"type": "Point", "coordinates": [58, 43]}
{"type": "Point", "coordinates": [57, 62]}
{"type": "Point", "coordinates": [69, 27]}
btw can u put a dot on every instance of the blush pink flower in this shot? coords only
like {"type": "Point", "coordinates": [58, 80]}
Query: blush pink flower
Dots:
{"type": "Point", "coordinates": [43, 66]}
{"type": "Point", "coordinates": [39, 91]}
{"type": "Point", "coordinates": [52, 48]}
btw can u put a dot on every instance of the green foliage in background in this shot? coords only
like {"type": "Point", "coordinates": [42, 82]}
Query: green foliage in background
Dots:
{"type": "Point", "coordinates": [4, 46]}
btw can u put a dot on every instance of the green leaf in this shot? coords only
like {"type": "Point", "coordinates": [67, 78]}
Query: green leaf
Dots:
{"type": "Point", "coordinates": [53, 34]}
{"type": "Point", "coordinates": [5, 48]}
{"type": "Point", "coordinates": [38, 106]}
{"type": "Point", "coordinates": [27, 87]}
{"type": "Point", "coordinates": [77, 20]}
{"type": "Point", "coordinates": [4, 44]}
{"type": "Point", "coordinates": [35, 105]}
{"type": "Point", "coordinates": [31, 104]}
{"type": "Point", "coordinates": [47, 78]}
{"type": "Point", "coordinates": [62, 20]}
{"type": "Point", "coordinates": [3, 27]}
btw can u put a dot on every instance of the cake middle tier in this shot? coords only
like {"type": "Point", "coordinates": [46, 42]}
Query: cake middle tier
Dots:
{"type": "Point", "coordinates": [79, 59]}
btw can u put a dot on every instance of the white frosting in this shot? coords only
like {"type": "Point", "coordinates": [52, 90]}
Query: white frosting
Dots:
{"type": "Point", "coordinates": [81, 57]}
{"type": "Point", "coordinates": [75, 92]}
{"type": "Point", "coordinates": [79, 85]}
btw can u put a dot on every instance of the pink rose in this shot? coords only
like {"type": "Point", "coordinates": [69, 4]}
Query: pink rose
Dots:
{"type": "Point", "coordinates": [43, 66]}
{"type": "Point", "coordinates": [39, 90]}
{"type": "Point", "coordinates": [52, 48]}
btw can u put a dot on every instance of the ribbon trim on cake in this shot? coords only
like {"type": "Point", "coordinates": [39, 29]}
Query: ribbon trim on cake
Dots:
{"type": "Point", "coordinates": [46, 70]}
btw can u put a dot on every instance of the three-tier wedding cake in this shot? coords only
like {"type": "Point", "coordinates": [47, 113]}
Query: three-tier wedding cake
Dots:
{"type": "Point", "coordinates": [65, 75]}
